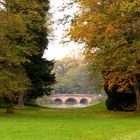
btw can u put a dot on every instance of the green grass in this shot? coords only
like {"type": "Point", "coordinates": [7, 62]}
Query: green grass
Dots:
{"type": "Point", "coordinates": [92, 123]}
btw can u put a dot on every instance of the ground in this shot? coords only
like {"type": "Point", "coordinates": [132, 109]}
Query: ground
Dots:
{"type": "Point", "coordinates": [92, 123]}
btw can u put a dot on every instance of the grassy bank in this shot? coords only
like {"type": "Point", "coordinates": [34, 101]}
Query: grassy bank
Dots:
{"type": "Point", "coordinates": [92, 123]}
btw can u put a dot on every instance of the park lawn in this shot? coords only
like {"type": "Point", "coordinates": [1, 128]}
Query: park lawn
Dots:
{"type": "Point", "coordinates": [91, 123]}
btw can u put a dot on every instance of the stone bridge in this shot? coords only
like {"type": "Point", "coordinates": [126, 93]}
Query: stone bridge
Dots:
{"type": "Point", "coordinates": [72, 99]}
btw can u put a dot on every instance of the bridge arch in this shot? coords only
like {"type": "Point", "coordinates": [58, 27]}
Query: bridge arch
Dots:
{"type": "Point", "coordinates": [58, 101]}
{"type": "Point", "coordinates": [71, 101]}
{"type": "Point", "coordinates": [84, 101]}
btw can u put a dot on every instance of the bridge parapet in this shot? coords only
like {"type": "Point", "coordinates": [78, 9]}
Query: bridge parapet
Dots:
{"type": "Point", "coordinates": [73, 98]}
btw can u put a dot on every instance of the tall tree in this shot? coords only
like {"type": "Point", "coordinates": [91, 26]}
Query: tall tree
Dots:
{"type": "Point", "coordinates": [23, 40]}
{"type": "Point", "coordinates": [13, 54]}
{"type": "Point", "coordinates": [34, 14]}
{"type": "Point", "coordinates": [40, 70]}
{"type": "Point", "coordinates": [110, 30]}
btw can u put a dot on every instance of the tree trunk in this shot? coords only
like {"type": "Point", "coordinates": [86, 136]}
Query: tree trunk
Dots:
{"type": "Point", "coordinates": [10, 109]}
{"type": "Point", "coordinates": [138, 98]}
{"type": "Point", "coordinates": [21, 101]}
{"type": "Point", "coordinates": [138, 90]}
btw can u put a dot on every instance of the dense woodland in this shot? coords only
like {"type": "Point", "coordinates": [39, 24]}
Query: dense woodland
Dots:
{"type": "Point", "coordinates": [72, 75]}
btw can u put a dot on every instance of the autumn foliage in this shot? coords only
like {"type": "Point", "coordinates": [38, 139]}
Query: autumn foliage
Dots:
{"type": "Point", "coordinates": [111, 31]}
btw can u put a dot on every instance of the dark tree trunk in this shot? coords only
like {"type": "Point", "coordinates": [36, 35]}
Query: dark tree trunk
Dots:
{"type": "Point", "coordinates": [21, 101]}
{"type": "Point", "coordinates": [138, 98]}
{"type": "Point", "coordinates": [9, 105]}
{"type": "Point", "coordinates": [10, 109]}
{"type": "Point", "coordinates": [138, 90]}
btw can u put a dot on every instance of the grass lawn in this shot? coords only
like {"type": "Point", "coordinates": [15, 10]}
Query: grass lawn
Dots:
{"type": "Point", "coordinates": [92, 123]}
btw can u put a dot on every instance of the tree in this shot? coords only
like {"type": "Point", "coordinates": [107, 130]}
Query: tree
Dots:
{"type": "Point", "coordinates": [22, 39]}
{"type": "Point", "coordinates": [41, 76]}
{"type": "Point", "coordinates": [34, 14]}
{"type": "Point", "coordinates": [12, 55]}
{"type": "Point", "coordinates": [40, 70]}
{"type": "Point", "coordinates": [72, 76]}
{"type": "Point", "coordinates": [110, 30]}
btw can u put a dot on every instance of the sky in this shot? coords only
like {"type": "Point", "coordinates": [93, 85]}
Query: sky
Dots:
{"type": "Point", "coordinates": [57, 50]}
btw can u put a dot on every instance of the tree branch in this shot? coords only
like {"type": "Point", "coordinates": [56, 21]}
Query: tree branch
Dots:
{"type": "Point", "coordinates": [2, 3]}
